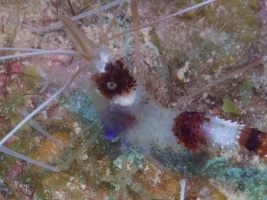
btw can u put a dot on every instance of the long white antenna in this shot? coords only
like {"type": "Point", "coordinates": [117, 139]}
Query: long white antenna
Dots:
{"type": "Point", "coordinates": [26, 119]}
{"type": "Point", "coordinates": [182, 192]}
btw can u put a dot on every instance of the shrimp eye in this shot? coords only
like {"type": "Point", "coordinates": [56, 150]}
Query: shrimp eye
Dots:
{"type": "Point", "coordinates": [111, 85]}
{"type": "Point", "coordinates": [115, 81]}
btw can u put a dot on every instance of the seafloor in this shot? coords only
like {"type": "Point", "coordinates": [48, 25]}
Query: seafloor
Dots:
{"type": "Point", "coordinates": [180, 56]}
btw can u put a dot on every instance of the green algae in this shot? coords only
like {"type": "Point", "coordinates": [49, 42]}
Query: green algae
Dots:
{"type": "Point", "coordinates": [24, 143]}
{"type": "Point", "coordinates": [8, 108]}
{"type": "Point", "coordinates": [192, 14]}
{"type": "Point", "coordinates": [255, 188]}
{"type": "Point", "coordinates": [230, 107]}
{"type": "Point", "coordinates": [79, 102]}
{"type": "Point", "coordinates": [242, 29]}
{"type": "Point", "coordinates": [250, 180]}
{"type": "Point", "coordinates": [10, 38]}
{"type": "Point", "coordinates": [31, 77]}
{"type": "Point", "coordinates": [187, 163]}
{"type": "Point", "coordinates": [245, 90]}
{"type": "Point", "coordinates": [154, 38]}
{"type": "Point", "coordinates": [70, 181]}
{"type": "Point", "coordinates": [242, 23]}
{"type": "Point", "coordinates": [253, 4]}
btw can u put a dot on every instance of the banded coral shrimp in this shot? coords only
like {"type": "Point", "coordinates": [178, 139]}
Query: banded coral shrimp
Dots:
{"type": "Point", "coordinates": [169, 115]}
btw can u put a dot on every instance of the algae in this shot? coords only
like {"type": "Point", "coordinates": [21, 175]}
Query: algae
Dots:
{"type": "Point", "coordinates": [230, 107]}
{"type": "Point", "coordinates": [31, 77]}
{"type": "Point", "coordinates": [9, 107]}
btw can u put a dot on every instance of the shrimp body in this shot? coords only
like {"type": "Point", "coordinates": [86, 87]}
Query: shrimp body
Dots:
{"type": "Point", "coordinates": [132, 121]}
{"type": "Point", "coordinates": [195, 130]}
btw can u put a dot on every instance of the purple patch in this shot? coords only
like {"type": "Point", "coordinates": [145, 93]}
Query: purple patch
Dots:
{"type": "Point", "coordinates": [110, 134]}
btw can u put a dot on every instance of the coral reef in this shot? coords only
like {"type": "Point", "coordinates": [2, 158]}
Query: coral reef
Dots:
{"type": "Point", "coordinates": [173, 61]}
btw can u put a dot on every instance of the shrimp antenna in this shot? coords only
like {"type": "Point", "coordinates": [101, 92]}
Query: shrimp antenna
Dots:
{"type": "Point", "coordinates": [35, 52]}
{"type": "Point", "coordinates": [58, 25]}
{"type": "Point", "coordinates": [239, 70]}
{"type": "Point", "coordinates": [26, 119]}
{"type": "Point", "coordinates": [164, 18]}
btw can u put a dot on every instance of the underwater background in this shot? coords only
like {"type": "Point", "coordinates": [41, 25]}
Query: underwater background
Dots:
{"type": "Point", "coordinates": [181, 55]}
